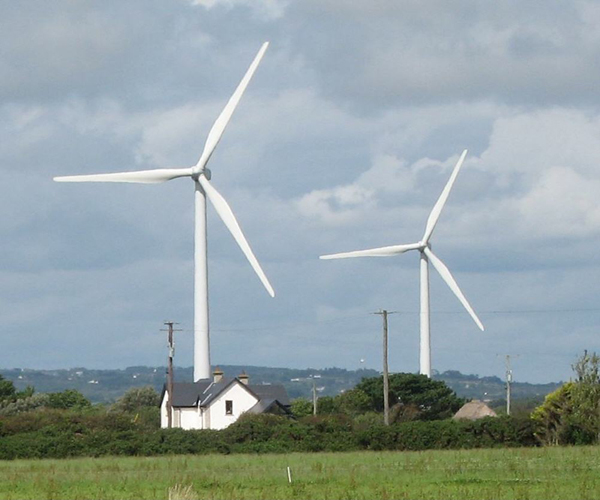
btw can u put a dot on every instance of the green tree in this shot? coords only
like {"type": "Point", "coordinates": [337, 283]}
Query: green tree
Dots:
{"type": "Point", "coordinates": [68, 399]}
{"type": "Point", "coordinates": [551, 418]}
{"type": "Point", "coordinates": [7, 389]}
{"type": "Point", "coordinates": [301, 407]}
{"type": "Point", "coordinates": [585, 397]}
{"type": "Point", "coordinates": [417, 395]}
{"type": "Point", "coordinates": [353, 402]}
{"type": "Point", "coordinates": [327, 405]}
{"type": "Point", "coordinates": [24, 405]}
{"type": "Point", "coordinates": [26, 393]}
{"type": "Point", "coordinates": [136, 399]}
{"type": "Point", "coordinates": [571, 414]}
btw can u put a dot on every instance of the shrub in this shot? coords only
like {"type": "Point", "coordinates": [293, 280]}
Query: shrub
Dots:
{"type": "Point", "coordinates": [23, 405]}
{"type": "Point", "coordinates": [69, 398]}
{"type": "Point", "coordinates": [51, 433]}
{"type": "Point", "coordinates": [301, 407]}
{"type": "Point", "coordinates": [137, 399]}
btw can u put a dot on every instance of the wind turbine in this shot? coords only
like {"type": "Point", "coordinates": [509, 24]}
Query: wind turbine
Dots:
{"type": "Point", "coordinates": [203, 189]}
{"type": "Point", "coordinates": [427, 256]}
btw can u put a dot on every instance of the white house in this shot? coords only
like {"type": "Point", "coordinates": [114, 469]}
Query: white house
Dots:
{"type": "Point", "coordinates": [217, 403]}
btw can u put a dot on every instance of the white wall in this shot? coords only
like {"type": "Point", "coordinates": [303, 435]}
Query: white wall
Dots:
{"type": "Point", "coordinates": [163, 412]}
{"type": "Point", "coordinates": [190, 418]}
{"type": "Point", "coordinates": [242, 401]}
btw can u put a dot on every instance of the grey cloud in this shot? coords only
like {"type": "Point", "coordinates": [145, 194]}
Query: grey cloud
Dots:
{"type": "Point", "coordinates": [343, 140]}
{"type": "Point", "coordinates": [406, 53]}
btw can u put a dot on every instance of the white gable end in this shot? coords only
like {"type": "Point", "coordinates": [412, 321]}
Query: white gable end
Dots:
{"type": "Point", "coordinates": [225, 409]}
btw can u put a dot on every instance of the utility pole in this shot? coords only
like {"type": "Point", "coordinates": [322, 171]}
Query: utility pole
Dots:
{"type": "Point", "coordinates": [171, 346]}
{"type": "Point", "coordinates": [508, 382]}
{"type": "Point", "coordinates": [386, 381]}
{"type": "Point", "coordinates": [314, 395]}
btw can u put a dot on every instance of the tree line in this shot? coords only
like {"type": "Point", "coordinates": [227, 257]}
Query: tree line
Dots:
{"type": "Point", "coordinates": [66, 424]}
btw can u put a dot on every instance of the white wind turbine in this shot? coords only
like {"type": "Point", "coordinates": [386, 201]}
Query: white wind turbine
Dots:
{"type": "Point", "coordinates": [427, 256]}
{"type": "Point", "coordinates": [203, 189]}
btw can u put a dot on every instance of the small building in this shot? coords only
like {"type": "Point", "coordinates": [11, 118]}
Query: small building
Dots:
{"type": "Point", "coordinates": [474, 410]}
{"type": "Point", "coordinates": [218, 402]}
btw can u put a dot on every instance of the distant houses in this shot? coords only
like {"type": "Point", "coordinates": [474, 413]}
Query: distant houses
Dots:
{"type": "Point", "coordinates": [218, 402]}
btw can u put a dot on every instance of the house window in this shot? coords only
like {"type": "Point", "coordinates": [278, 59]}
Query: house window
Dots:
{"type": "Point", "coordinates": [228, 407]}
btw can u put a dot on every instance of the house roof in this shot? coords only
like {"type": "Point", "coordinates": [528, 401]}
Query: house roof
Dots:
{"type": "Point", "coordinates": [271, 391]}
{"type": "Point", "coordinates": [213, 390]}
{"type": "Point", "coordinates": [188, 393]}
{"type": "Point", "coordinates": [474, 410]}
{"type": "Point", "coordinates": [267, 405]}
{"type": "Point", "coordinates": [204, 391]}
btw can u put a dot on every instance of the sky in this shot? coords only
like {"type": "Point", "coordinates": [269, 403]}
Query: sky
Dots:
{"type": "Point", "coordinates": [343, 140]}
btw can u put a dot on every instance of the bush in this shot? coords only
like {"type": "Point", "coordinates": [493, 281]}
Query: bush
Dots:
{"type": "Point", "coordinates": [23, 405]}
{"type": "Point", "coordinates": [137, 399]}
{"type": "Point", "coordinates": [51, 433]}
{"type": "Point", "coordinates": [68, 399]}
{"type": "Point", "coordinates": [301, 407]}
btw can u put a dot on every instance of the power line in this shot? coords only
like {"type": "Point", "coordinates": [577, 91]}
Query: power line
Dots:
{"type": "Point", "coordinates": [301, 324]}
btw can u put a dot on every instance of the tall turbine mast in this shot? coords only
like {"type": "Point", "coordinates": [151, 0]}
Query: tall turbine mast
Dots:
{"type": "Point", "coordinates": [426, 257]}
{"type": "Point", "coordinates": [203, 189]}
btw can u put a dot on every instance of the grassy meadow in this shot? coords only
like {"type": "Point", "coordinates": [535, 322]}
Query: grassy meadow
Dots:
{"type": "Point", "coordinates": [522, 473]}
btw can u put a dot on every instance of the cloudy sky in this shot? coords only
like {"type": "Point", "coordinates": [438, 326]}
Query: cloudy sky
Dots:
{"type": "Point", "coordinates": [343, 140]}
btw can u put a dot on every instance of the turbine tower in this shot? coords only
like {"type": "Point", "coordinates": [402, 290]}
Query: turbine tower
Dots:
{"type": "Point", "coordinates": [203, 189]}
{"type": "Point", "coordinates": [427, 256]}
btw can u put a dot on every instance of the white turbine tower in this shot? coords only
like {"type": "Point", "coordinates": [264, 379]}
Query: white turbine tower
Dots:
{"type": "Point", "coordinates": [203, 189]}
{"type": "Point", "coordinates": [427, 256]}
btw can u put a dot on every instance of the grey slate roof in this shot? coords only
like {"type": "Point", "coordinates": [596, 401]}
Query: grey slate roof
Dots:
{"type": "Point", "coordinates": [215, 389]}
{"type": "Point", "coordinates": [186, 394]}
{"type": "Point", "coordinates": [271, 391]}
{"type": "Point", "coordinates": [265, 405]}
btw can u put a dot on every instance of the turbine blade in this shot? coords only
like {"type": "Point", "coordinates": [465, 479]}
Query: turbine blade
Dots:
{"type": "Point", "coordinates": [141, 176]}
{"type": "Point", "coordinates": [451, 282]}
{"type": "Point", "coordinates": [226, 214]}
{"type": "Point", "coordinates": [439, 205]}
{"type": "Point", "coordinates": [374, 252]}
{"type": "Point", "coordinates": [214, 136]}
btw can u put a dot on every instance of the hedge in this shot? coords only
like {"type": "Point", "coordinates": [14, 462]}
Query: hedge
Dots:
{"type": "Point", "coordinates": [60, 434]}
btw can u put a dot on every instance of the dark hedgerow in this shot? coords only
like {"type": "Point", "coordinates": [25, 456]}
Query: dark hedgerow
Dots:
{"type": "Point", "coordinates": [61, 434]}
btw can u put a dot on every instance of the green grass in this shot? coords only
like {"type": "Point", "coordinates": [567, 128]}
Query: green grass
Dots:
{"type": "Point", "coordinates": [524, 473]}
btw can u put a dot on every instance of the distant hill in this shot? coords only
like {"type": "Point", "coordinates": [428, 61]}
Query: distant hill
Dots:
{"type": "Point", "coordinates": [103, 386]}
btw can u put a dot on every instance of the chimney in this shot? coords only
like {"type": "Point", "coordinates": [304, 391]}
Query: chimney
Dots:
{"type": "Point", "coordinates": [217, 375]}
{"type": "Point", "coordinates": [243, 378]}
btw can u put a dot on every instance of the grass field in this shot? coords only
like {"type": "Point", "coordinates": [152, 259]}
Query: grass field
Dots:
{"type": "Point", "coordinates": [524, 473]}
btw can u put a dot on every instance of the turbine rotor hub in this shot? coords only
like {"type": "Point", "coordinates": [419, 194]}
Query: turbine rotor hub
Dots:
{"type": "Point", "coordinates": [205, 172]}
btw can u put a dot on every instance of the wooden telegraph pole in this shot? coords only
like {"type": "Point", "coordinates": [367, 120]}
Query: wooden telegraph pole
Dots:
{"type": "Point", "coordinates": [386, 381]}
{"type": "Point", "coordinates": [314, 396]}
{"type": "Point", "coordinates": [171, 345]}
{"type": "Point", "coordinates": [508, 382]}
{"type": "Point", "coordinates": [509, 379]}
